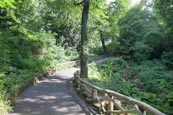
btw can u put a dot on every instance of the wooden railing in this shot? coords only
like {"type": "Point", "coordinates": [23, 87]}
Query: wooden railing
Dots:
{"type": "Point", "coordinates": [113, 103]}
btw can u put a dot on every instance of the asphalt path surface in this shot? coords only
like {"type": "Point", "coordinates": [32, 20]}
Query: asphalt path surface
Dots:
{"type": "Point", "coordinates": [53, 95]}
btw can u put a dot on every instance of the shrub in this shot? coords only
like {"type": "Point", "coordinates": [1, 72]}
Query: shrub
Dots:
{"type": "Point", "coordinates": [149, 81]}
{"type": "Point", "coordinates": [4, 103]}
{"type": "Point", "coordinates": [167, 59]}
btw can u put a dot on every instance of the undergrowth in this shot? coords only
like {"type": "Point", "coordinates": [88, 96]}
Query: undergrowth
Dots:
{"type": "Point", "coordinates": [149, 81]}
{"type": "Point", "coordinates": [22, 55]}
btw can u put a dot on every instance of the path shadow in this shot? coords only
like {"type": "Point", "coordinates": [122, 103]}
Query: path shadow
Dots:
{"type": "Point", "coordinates": [50, 96]}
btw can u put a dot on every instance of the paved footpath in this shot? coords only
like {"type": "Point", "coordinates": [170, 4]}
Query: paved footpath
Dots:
{"type": "Point", "coordinates": [52, 96]}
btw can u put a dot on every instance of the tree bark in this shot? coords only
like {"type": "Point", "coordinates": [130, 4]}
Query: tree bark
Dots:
{"type": "Point", "coordinates": [105, 52]}
{"type": "Point", "coordinates": [84, 40]}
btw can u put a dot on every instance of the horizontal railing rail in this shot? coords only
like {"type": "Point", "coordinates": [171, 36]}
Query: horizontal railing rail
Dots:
{"type": "Point", "coordinates": [113, 102]}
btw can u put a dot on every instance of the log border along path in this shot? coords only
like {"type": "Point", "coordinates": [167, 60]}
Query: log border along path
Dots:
{"type": "Point", "coordinates": [53, 95]}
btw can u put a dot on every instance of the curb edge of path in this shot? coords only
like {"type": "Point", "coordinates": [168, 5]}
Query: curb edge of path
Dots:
{"type": "Point", "coordinates": [88, 110]}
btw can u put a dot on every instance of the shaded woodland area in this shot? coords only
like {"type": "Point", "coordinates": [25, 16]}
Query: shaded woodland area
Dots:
{"type": "Point", "coordinates": [36, 35]}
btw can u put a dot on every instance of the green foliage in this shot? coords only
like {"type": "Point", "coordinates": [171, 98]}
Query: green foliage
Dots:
{"type": "Point", "coordinates": [141, 35]}
{"type": "Point", "coordinates": [7, 4]}
{"type": "Point", "coordinates": [164, 11]}
{"type": "Point", "coordinates": [27, 48]}
{"type": "Point", "coordinates": [164, 8]}
{"type": "Point", "coordinates": [62, 20]}
{"type": "Point", "coordinates": [116, 10]}
{"type": "Point", "coordinates": [36, 35]}
{"type": "Point", "coordinates": [167, 59]}
{"type": "Point", "coordinates": [4, 103]}
{"type": "Point", "coordinates": [149, 81]}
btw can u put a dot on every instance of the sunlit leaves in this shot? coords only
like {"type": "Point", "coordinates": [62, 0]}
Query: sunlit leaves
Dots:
{"type": "Point", "coordinates": [116, 10]}
{"type": "Point", "coordinates": [7, 4]}
{"type": "Point", "coordinates": [165, 9]}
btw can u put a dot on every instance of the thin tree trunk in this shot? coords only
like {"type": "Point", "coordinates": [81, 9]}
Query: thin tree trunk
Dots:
{"type": "Point", "coordinates": [84, 40]}
{"type": "Point", "coordinates": [105, 52]}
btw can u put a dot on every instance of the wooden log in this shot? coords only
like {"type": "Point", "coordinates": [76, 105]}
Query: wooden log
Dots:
{"type": "Point", "coordinates": [124, 98]}
{"type": "Point", "coordinates": [145, 113]}
{"type": "Point", "coordinates": [117, 104]}
{"type": "Point", "coordinates": [78, 83]}
{"type": "Point", "coordinates": [88, 94]}
{"type": "Point", "coordinates": [35, 80]}
{"type": "Point", "coordinates": [102, 104]}
{"type": "Point", "coordinates": [138, 111]}
{"type": "Point", "coordinates": [78, 89]}
{"type": "Point", "coordinates": [110, 106]}
{"type": "Point", "coordinates": [133, 111]}
{"type": "Point", "coordinates": [106, 98]}
{"type": "Point", "coordinates": [94, 94]}
{"type": "Point", "coordinates": [81, 89]}
{"type": "Point", "coordinates": [89, 100]}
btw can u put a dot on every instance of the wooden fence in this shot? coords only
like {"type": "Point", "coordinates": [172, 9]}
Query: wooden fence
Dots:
{"type": "Point", "coordinates": [113, 103]}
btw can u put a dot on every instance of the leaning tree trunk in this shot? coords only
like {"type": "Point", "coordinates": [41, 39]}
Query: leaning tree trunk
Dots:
{"type": "Point", "coordinates": [84, 40]}
{"type": "Point", "coordinates": [105, 52]}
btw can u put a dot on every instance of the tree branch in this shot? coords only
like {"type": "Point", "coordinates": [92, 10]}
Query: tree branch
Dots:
{"type": "Point", "coordinates": [78, 3]}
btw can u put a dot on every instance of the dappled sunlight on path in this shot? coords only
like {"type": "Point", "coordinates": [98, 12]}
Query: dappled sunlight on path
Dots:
{"type": "Point", "coordinates": [51, 96]}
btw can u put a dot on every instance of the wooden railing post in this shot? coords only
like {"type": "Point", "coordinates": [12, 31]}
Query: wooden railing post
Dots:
{"type": "Point", "coordinates": [81, 87]}
{"type": "Point", "coordinates": [113, 100]}
{"type": "Point", "coordinates": [138, 111]}
{"type": "Point", "coordinates": [77, 81]}
{"type": "Point", "coordinates": [110, 106]}
{"type": "Point", "coordinates": [94, 94]}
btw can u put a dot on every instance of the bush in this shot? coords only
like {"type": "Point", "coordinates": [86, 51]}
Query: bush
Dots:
{"type": "Point", "coordinates": [24, 53]}
{"type": "Point", "coordinates": [149, 81]}
{"type": "Point", "coordinates": [142, 51]}
{"type": "Point", "coordinates": [4, 103]}
{"type": "Point", "coordinates": [167, 59]}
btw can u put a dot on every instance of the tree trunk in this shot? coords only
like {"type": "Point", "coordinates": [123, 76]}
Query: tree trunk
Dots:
{"type": "Point", "coordinates": [84, 40]}
{"type": "Point", "coordinates": [105, 52]}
